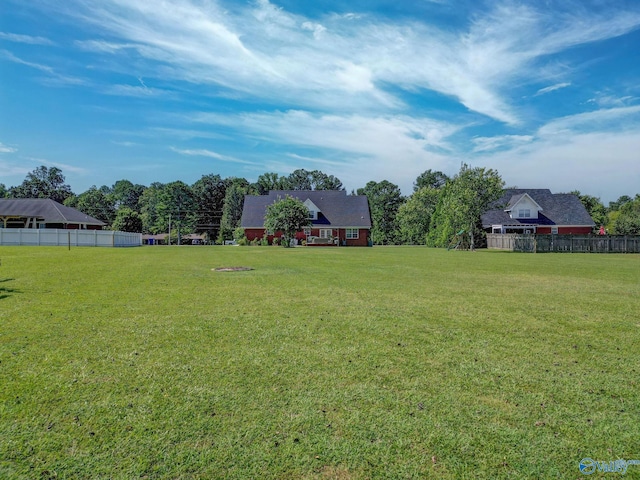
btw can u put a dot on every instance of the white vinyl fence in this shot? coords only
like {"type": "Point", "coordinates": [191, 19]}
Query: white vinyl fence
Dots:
{"type": "Point", "coordinates": [72, 238]}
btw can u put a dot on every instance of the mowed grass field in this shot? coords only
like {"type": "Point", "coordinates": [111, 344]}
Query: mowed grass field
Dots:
{"type": "Point", "coordinates": [325, 363]}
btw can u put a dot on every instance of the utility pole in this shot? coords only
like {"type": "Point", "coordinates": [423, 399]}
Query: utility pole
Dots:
{"type": "Point", "coordinates": [179, 242]}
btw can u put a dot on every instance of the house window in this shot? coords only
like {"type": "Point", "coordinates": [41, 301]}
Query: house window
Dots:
{"type": "Point", "coordinates": [325, 233]}
{"type": "Point", "coordinates": [554, 230]}
{"type": "Point", "coordinates": [307, 231]}
{"type": "Point", "coordinates": [312, 214]}
{"type": "Point", "coordinates": [352, 233]}
{"type": "Point", "coordinates": [524, 213]}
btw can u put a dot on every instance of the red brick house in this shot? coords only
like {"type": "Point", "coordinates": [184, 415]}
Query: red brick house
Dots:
{"type": "Point", "coordinates": [538, 211]}
{"type": "Point", "coordinates": [337, 218]}
{"type": "Point", "coordinates": [44, 213]}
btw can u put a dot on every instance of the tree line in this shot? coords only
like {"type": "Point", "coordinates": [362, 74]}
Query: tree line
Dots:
{"type": "Point", "coordinates": [438, 208]}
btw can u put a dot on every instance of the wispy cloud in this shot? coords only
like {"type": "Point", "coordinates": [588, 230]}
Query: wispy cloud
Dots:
{"type": "Point", "coordinates": [18, 38]}
{"type": "Point", "coordinates": [392, 147]}
{"type": "Point", "coordinates": [590, 162]}
{"type": "Point", "coordinates": [394, 136]}
{"type": "Point", "coordinates": [136, 91]}
{"type": "Point", "coordinates": [104, 46]}
{"type": "Point", "coordinates": [62, 166]}
{"type": "Point", "coordinates": [52, 74]}
{"type": "Point", "coordinates": [590, 151]}
{"type": "Point", "coordinates": [598, 120]}
{"type": "Point", "coordinates": [210, 154]}
{"type": "Point", "coordinates": [608, 100]}
{"type": "Point", "coordinates": [342, 61]}
{"type": "Point", "coordinates": [7, 149]}
{"type": "Point", "coordinates": [486, 144]}
{"type": "Point", "coordinates": [312, 160]}
{"type": "Point", "coordinates": [552, 88]}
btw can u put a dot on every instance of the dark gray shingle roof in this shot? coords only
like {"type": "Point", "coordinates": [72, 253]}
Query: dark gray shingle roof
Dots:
{"type": "Point", "coordinates": [339, 210]}
{"type": "Point", "coordinates": [46, 209]}
{"type": "Point", "coordinates": [557, 209]}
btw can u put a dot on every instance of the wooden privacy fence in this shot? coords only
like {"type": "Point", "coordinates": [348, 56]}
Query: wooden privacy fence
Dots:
{"type": "Point", "coordinates": [564, 243]}
{"type": "Point", "coordinates": [73, 238]}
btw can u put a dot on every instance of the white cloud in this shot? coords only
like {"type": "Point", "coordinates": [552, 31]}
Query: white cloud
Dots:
{"type": "Point", "coordinates": [593, 152]}
{"type": "Point", "coordinates": [485, 144]}
{"type": "Point", "coordinates": [313, 160]}
{"type": "Point", "coordinates": [347, 133]}
{"type": "Point", "coordinates": [391, 147]}
{"type": "Point", "coordinates": [608, 101]}
{"type": "Point", "coordinates": [209, 154]}
{"type": "Point", "coordinates": [599, 119]}
{"type": "Point", "coordinates": [104, 46]}
{"type": "Point", "coordinates": [7, 149]}
{"type": "Point", "coordinates": [552, 88]}
{"type": "Point", "coordinates": [316, 28]}
{"type": "Point", "coordinates": [266, 52]}
{"type": "Point", "coordinates": [53, 75]}
{"type": "Point", "coordinates": [28, 39]}
{"type": "Point", "coordinates": [12, 173]}
{"type": "Point", "coordinates": [603, 164]}
{"type": "Point", "coordinates": [66, 167]}
{"type": "Point", "coordinates": [136, 91]}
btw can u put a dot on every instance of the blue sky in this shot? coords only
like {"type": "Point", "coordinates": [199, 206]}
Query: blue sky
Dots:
{"type": "Point", "coordinates": [547, 93]}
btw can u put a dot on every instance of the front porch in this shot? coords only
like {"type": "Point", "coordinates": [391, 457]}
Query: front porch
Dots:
{"type": "Point", "coordinates": [519, 228]}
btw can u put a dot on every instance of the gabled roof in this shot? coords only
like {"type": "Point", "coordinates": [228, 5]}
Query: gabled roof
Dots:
{"type": "Point", "coordinates": [515, 199]}
{"type": "Point", "coordinates": [336, 208]}
{"type": "Point", "coordinates": [557, 209]}
{"type": "Point", "coordinates": [45, 209]}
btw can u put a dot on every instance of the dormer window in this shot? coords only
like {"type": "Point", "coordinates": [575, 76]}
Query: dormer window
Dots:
{"type": "Point", "coordinates": [313, 209]}
{"type": "Point", "coordinates": [523, 206]}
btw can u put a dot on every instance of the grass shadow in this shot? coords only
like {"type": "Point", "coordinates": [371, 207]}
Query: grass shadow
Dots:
{"type": "Point", "coordinates": [6, 292]}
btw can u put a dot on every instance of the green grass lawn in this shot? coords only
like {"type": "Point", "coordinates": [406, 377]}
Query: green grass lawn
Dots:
{"type": "Point", "coordinates": [321, 363]}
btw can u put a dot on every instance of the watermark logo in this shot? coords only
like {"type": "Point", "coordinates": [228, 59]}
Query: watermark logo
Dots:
{"type": "Point", "coordinates": [589, 466]}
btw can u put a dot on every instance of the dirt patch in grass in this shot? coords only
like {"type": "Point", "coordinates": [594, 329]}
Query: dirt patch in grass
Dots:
{"type": "Point", "coordinates": [231, 269]}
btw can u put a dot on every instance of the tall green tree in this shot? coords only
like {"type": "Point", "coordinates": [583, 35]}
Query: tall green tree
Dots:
{"type": "Point", "coordinates": [153, 221]}
{"type": "Point", "coordinates": [96, 203]}
{"type": "Point", "coordinates": [3, 191]}
{"type": "Point", "coordinates": [232, 210]}
{"type": "Point", "coordinates": [127, 220]}
{"type": "Point", "coordinates": [43, 182]}
{"type": "Point", "coordinates": [385, 199]}
{"type": "Point", "coordinates": [302, 179]}
{"type": "Point", "coordinates": [209, 192]}
{"type": "Point", "coordinates": [270, 181]}
{"type": "Point", "coordinates": [614, 206]}
{"type": "Point", "coordinates": [430, 178]}
{"type": "Point", "coordinates": [178, 204]}
{"type": "Point", "coordinates": [414, 215]}
{"type": "Point", "coordinates": [462, 202]}
{"type": "Point", "coordinates": [322, 181]}
{"type": "Point", "coordinates": [287, 215]}
{"type": "Point", "coordinates": [127, 194]}
{"type": "Point", "coordinates": [594, 206]}
{"type": "Point", "coordinates": [627, 221]}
